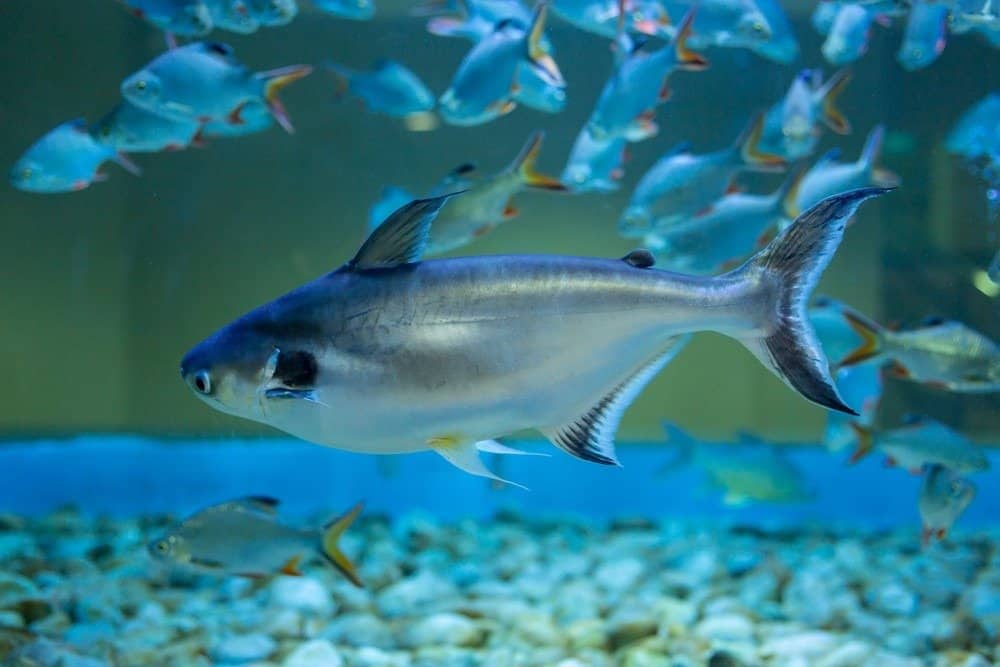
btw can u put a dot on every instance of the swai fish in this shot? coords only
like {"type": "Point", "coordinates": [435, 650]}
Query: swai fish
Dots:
{"type": "Point", "coordinates": [944, 496]}
{"type": "Point", "coordinates": [389, 88]}
{"type": "Point", "coordinates": [189, 18]}
{"type": "Point", "coordinates": [66, 159]}
{"type": "Point", "coordinates": [486, 81]}
{"type": "Point", "coordinates": [355, 10]}
{"type": "Point", "coordinates": [682, 184]}
{"type": "Point", "coordinates": [273, 13]}
{"type": "Point", "coordinates": [748, 470]}
{"type": "Point", "coordinates": [594, 165]}
{"type": "Point", "coordinates": [828, 176]}
{"type": "Point", "coordinates": [486, 202]}
{"type": "Point", "coordinates": [245, 537]}
{"type": "Point", "coordinates": [925, 36]}
{"type": "Point", "coordinates": [638, 85]}
{"type": "Point", "coordinates": [390, 354]}
{"type": "Point", "coordinates": [728, 232]}
{"type": "Point", "coordinates": [204, 81]}
{"type": "Point", "coordinates": [232, 15]}
{"type": "Point", "coordinates": [860, 386]}
{"type": "Point", "coordinates": [135, 130]}
{"type": "Point", "coordinates": [941, 353]}
{"type": "Point", "coordinates": [920, 441]}
{"type": "Point", "coordinates": [792, 126]}
{"type": "Point", "coordinates": [603, 17]}
{"type": "Point", "coordinates": [255, 117]}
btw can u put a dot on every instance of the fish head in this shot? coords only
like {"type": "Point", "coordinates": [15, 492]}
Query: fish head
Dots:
{"type": "Point", "coordinates": [170, 548]}
{"type": "Point", "coordinates": [251, 367]}
{"type": "Point", "coordinates": [143, 89]}
{"type": "Point", "coordinates": [914, 54]}
{"type": "Point", "coordinates": [754, 27]}
{"type": "Point", "coordinates": [30, 175]}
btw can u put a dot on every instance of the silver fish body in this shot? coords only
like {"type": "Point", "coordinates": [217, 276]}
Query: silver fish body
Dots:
{"type": "Point", "coordinates": [944, 496]}
{"type": "Point", "coordinates": [389, 355]}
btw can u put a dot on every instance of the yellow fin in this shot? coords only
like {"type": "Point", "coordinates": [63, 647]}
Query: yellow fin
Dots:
{"type": "Point", "coordinates": [291, 568]}
{"type": "Point", "coordinates": [331, 547]}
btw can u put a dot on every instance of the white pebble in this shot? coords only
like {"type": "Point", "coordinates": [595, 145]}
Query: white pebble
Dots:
{"type": "Point", "coordinates": [243, 648]}
{"type": "Point", "coordinates": [314, 653]}
{"type": "Point", "coordinates": [732, 628]}
{"type": "Point", "coordinates": [302, 593]}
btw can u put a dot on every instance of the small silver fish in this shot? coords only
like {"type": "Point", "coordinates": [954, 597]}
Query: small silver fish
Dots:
{"type": "Point", "coordinates": [135, 130]}
{"type": "Point", "coordinates": [682, 184]}
{"type": "Point", "coordinates": [828, 176]}
{"type": "Point", "coordinates": [486, 203]}
{"type": "Point", "coordinates": [942, 353]}
{"type": "Point", "coordinates": [848, 37]}
{"type": "Point", "coordinates": [792, 126]}
{"type": "Point", "coordinates": [389, 88]}
{"type": "Point", "coordinates": [605, 18]}
{"type": "Point", "coordinates": [748, 470]}
{"type": "Point", "coordinates": [390, 354]}
{"type": "Point", "coordinates": [244, 537]}
{"type": "Point", "coordinates": [925, 36]}
{"type": "Point", "coordinates": [977, 132]}
{"type": "Point", "coordinates": [189, 18]}
{"type": "Point", "coordinates": [355, 10]}
{"type": "Point", "coordinates": [594, 165]}
{"type": "Point", "coordinates": [920, 441]}
{"type": "Point", "coordinates": [475, 18]}
{"type": "Point", "coordinates": [232, 15]}
{"type": "Point", "coordinates": [944, 496]}
{"type": "Point", "coordinates": [273, 13]}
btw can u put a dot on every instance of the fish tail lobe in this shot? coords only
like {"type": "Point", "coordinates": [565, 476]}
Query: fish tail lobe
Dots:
{"type": "Point", "coordinates": [524, 165]}
{"type": "Point", "coordinates": [866, 440]}
{"type": "Point", "coordinates": [787, 270]}
{"type": "Point", "coordinates": [686, 58]}
{"type": "Point", "coordinates": [872, 334]}
{"type": "Point", "coordinates": [832, 116]}
{"type": "Point", "coordinates": [537, 54]}
{"type": "Point", "coordinates": [751, 155]}
{"type": "Point", "coordinates": [870, 155]}
{"type": "Point", "coordinates": [330, 544]}
{"type": "Point", "coordinates": [274, 81]}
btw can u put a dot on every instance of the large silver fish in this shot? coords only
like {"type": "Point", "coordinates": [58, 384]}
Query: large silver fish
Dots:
{"type": "Point", "coordinates": [388, 354]}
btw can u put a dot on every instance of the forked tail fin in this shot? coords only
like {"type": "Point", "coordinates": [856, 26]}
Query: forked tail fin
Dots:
{"type": "Point", "coordinates": [274, 81]}
{"type": "Point", "coordinates": [685, 57]}
{"type": "Point", "coordinates": [829, 93]}
{"type": "Point", "coordinates": [524, 165]}
{"type": "Point", "coordinates": [747, 146]}
{"type": "Point", "coordinates": [788, 270]}
{"type": "Point", "coordinates": [330, 545]}
{"type": "Point", "coordinates": [871, 334]}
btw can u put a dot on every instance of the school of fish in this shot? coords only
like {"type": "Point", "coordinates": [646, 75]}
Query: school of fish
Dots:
{"type": "Point", "coordinates": [394, 353]}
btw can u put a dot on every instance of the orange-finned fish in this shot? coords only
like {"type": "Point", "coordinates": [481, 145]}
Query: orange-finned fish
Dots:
{"type": "Point", "coordinates": [920, 440]}
{"type": "Point", "coordinates": [245, 537]}
{"type": "Point", "coordinates": [944, 495]}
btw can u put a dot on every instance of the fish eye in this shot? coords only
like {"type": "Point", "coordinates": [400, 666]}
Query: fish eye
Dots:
{"type": "Point", "coordinates": [202, 382]}
{"type": "Point", "coordinates": [27, 173]}
{"type": "Point", "coordinates": [141, 84]}
{"type": "Point", "coordinates": [162, 547]}
{"type": "Point", "coordinates": [758, 27]}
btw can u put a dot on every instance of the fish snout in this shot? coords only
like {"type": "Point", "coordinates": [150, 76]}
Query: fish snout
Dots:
{"type": "Point", "coordinates": [634, 220]}
{"type": "Point", "coordinates": [197, 375]}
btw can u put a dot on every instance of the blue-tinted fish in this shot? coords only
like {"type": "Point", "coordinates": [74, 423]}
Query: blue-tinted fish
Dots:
{"type": "Point", "coordinates": [487, 202]}
{"type": "Point", "coordinates": [836, 336]}
{"type": "Point", "coordinates": [536, 90]}
{"type": "Point", "coordinates": [944, 496]}
{"type": "Point", "coordinates": [356, 10]}
{"type": "Point", "coordinates": [982, 16]}
{"type": "Point", "coordinates": [638, 85]}
{"type": "Point", "coordinates": [828, 176]}
{"type": "Point", "coordinates": [725, 23]}
{"type": "Point", "coordinates": [391, 199]}
{"type": "Point", "coordinates": [941, 353]}
{"type": "Point", "coordinates": [925, 36]}
{"type": "Point", "coordinates": [594, 165]}
{"type": "Point", "coordinates": [475, 18]}
{"type": "Point", "coordinates": [390, 88]}
{"type": "Point", "coordinates": [682, 184]}
{"type": "Point", "coordinates": [861, 387]}
{"type": "Point", "coordinates": [824, 15]}
{"type": "Point", "coordinates": [66, 159]}
{"type": "Point", "coordinates": [847, 39]}
{"type": "Point", "coordinates": [245, 537]}
{"type": "Point", "coordinates": [390, 354]}
{"type": "Point", "coordinates": [189, 18]}
{"type": "Point", "coordinates": [977, 132]}
{"type": "Point", "coordinates": [272, 13]}
{"type": "Point", "coordinates": [255, 117]}
{"type": "Point", "coordinates": [782, 46]}
{"type": "Point", "coordinates": [728, 232]}
{"type": "Point", "coordinates": [792, 126]}
{"type": "Point", "coordinates": [232, 15]}
{"type": "Point", "coordinates": [484, 86]}
{"type": "Point", "coordinates": [602, 17]}
{"type": "Point", "coordinates": [748, 470]}
{"type": "Point", "coordinates": [133, 129]}
{"type": "Point", "coordinates": [204, 81]}
{"type": "Point", "coordinates": [918, 442]}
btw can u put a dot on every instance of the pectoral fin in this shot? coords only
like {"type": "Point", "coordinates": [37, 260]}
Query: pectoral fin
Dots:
{"type": "Point", "coordinates": [464, 454]}
{"type": "Point", "coordinates": [278, 393]}
{"type": "Point", "coordinates": [495, 447]}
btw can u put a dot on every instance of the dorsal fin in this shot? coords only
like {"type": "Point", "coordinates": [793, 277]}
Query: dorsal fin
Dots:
{"type": "Point", "coordinates": [265, 504]}
{"type": "Point", "coordinates": [640, 258]}
{"type": "Point", "coordinates": [591, 436]}
{"type": "Point", "coordinates": [401, 239]}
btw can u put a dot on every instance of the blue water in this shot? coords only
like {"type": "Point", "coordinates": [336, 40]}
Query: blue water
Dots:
{"type": "Point", "coordinates": [127, 476]}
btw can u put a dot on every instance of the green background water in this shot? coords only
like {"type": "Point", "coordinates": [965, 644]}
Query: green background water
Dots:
{"type": "Point", "coordinates": [103, 290]}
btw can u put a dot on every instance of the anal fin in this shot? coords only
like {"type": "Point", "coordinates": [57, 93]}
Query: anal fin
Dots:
{"type": "Point", "coordinates": [591, 436]}
{"type": "Point", "coordinates": [464, 455]}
